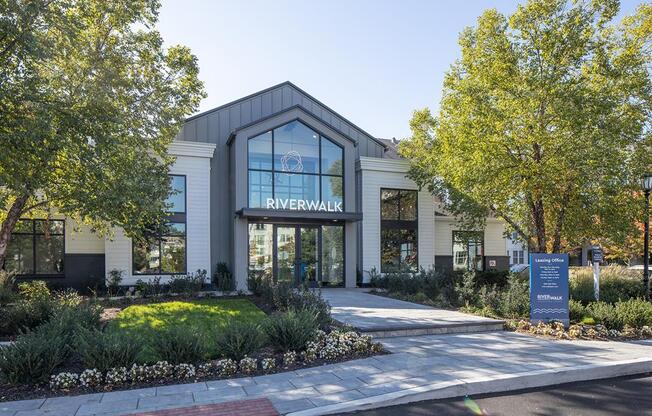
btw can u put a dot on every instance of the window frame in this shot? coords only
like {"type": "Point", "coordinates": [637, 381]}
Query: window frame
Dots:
{"type": "Point", "coordinates": [468, 262]}
{"type": "Point", "coordinates": [399, 224]}
{"type": "Point", "coordinates": [34, 234]}
{"type": "Point", "coordinates": [185, 193]}
{"type": "Point", "coordinates": [274, 172]}
{"type": "Point", "coordinates": [174, 217]}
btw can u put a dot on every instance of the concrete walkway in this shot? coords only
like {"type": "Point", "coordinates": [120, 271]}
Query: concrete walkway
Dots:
{"type": "Point", "coordinates": [422, 367]}
{"type": "Point", "coordinates": [386, 317]}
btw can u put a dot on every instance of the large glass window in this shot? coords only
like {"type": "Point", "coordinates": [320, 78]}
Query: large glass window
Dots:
{"type": "Point", "coordinates": [261, 248]}
{"type": "Point", "coordinates": [164, 252]}
{"type": "Point", "coordinates": [398, 230]}
{"type": "Point", "coordinates": [294, 162]}
{"type": "Point", "coordinates": [36, 248]}
{"type": "Point", "coordinates": [332, 253]}
{"type": "Point", "coordinates": [468, 250]}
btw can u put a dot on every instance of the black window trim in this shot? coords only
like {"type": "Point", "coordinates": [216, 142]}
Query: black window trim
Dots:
{"type": "Point", "coordinates": [273, 170]}
{"type": "Point", "coordinates": [33, 233]}
{"type": "Point", "coordinates": [399, 224]}
{"type": "Point", "coordinates": [480, 240]}
{"type": "Point", "coordinates": [173, 217]}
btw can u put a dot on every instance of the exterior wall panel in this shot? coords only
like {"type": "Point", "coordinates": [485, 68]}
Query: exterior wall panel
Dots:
{"type": "Point", "coordinates": [197, 171]}
{"type": "Point", "coordinates": [377, 174]}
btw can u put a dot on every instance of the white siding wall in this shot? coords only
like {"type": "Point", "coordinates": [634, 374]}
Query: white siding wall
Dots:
{"type": "Point", "coordinates": [385, 173]}
{"type": "Point", "coordinates": [80, 239]}
{"type": "Point", "coordinates": [494, 238]}
{"type": "Point", "coordinates": [197, 171]}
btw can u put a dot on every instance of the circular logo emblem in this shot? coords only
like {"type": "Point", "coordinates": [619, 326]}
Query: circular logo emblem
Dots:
{"type": "Point", "coordinates": [291, 162]}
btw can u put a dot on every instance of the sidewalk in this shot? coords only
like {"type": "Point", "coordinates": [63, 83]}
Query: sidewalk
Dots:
{"type": "Point", "coordinates": [422, 367]}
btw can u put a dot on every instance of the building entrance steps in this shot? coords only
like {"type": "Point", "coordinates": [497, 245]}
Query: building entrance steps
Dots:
{"type": "Point", "coordinates": [384, 317]}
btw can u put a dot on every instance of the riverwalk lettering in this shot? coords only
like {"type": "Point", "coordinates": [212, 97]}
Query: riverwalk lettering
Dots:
{"type": "Point", "coordinates": [303, 205]}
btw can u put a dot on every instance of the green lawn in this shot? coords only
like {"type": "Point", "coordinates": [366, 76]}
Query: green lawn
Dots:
{"type": "Point", "coordinates": [208, 316]}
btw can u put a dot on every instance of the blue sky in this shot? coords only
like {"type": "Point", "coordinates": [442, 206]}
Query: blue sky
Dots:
{"type": "Point", "coordinates": [374, 62]}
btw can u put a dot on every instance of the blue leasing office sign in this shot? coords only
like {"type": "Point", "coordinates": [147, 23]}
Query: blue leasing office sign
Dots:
{"type": "Point", "coordinates": [549, 288]}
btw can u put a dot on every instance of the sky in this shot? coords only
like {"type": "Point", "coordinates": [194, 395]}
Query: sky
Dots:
{"type": "Point", "coordinates": [372, 61]}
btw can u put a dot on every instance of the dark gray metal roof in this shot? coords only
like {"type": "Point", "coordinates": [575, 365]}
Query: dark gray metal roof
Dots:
{"type": "Point", "coordinates": [217, 124]}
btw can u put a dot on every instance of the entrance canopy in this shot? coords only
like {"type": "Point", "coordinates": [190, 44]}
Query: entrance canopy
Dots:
{"type": "Point", "coordinates": [298, 216]}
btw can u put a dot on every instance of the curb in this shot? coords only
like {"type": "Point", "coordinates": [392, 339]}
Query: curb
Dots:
{"type": "Point", "coordinates": [488, 384]}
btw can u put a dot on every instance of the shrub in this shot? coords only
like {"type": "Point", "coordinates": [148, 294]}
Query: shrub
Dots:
{"type": "Point", "coordinates": [466, 290]}
{"type": "Point", "coordinates": [291, 330]}
{"type": "Point", "coordinates": [491, 278]}
{"type": "Point", "coordinates": [516, 297]}
{"type": "Point", "coordinates": [634, 312]}
{"type": "Point", "coordinates": [34, 290]}
{"type": "Point", "coordinates": [223, 278]}
{"type": "Point", "coordinates": [151, 287]}
{"type": "Point", "coordinates": [604, 313]}
{"type": "Point", "coordinates": [189, 284]}
{"type": "Point", "coordinates": [34, 308]}
{"type": "Point", "coordinates": [577, 311]}
{"type": "Point", "coordinates": [106, 350]}
{"type": "Point", "coordinates": [281, 294]}
{"type": "Point", "coordinates": [7, 293]}
{"type": "Point", "coordinates": [616, 283]}
{"type": "Point", "coordinates": [180, 344]}
{"type": "Point", "coordinates": [268, 364]}
{"type": "Point", "coordinates": [490, 299]}
{"type": "Point", "coordinates": [376, 279]}
{"type": "Point", "coordinates": [33, 357]}
{"type": "Point", "coordinates": [69, 321]}
{"type": "Point", "coordinates": [239, 339]}
{"type": "Point", "coordinates": [258, 281]}
{"type": "Point", "coordinates": [113, 281]}
{"type": "Point", "coordinates": [304, 299]}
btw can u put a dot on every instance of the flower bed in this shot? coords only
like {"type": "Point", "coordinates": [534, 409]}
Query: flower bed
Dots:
{"type": "Point", "coordinates": [336, 346]}
{"type": "Point", "coordinates": [579, 331]}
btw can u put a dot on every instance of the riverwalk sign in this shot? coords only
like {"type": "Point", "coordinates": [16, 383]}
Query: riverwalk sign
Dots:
{"type": "Point", "coordinates": [549, 288]}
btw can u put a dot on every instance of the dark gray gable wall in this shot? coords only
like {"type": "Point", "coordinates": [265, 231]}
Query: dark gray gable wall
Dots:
{"type": "Point", "coordinates": [216, 126]}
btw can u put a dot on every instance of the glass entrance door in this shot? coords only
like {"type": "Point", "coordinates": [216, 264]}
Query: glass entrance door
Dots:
{"type": "Point", "coordinates": [286, 250]}
{"type": "Point", "coordinates": [297, 253]}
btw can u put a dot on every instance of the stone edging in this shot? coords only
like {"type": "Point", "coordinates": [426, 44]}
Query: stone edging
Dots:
{"type": "Point", "coordinates": [488, 384]}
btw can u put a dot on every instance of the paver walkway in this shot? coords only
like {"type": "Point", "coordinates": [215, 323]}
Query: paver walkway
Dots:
{"type": "Point", "coordinates": [256, 407]}
{"type": "Point", "coordinates": [449, 363]}
{"type": "Point", "coordinates": [385, 316]}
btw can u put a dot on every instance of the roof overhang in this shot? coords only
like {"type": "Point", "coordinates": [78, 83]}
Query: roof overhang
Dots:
{"type": "Point", "coordinates": [298, 216]}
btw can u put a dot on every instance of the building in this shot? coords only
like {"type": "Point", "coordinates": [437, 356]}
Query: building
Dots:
{"type": "Point", "coordinates": [517, 251]}
{"type": "Point", "coordinates": [277, 183]}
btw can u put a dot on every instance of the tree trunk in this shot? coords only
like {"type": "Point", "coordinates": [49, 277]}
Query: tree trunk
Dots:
{"type": "Point", "coordinates": [539, 225]}
{"type": "Point", "coordinates": [9, 223]}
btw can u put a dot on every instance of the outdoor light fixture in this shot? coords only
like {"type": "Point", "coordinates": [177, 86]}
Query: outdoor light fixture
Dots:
{"type": "Point", "coordinates": [646, 184]}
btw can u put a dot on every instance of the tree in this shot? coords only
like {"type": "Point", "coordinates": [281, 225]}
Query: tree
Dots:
{"type": "Point", "coordinates": [544, 122]}
{"type": "Point", "coordinates": [89, 101]}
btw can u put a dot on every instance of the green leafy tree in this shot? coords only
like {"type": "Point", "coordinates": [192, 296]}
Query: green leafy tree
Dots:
{"type": "Point", "coordinates": [543, 122]}
{"type": "Point", "coordinates": [89, 101]}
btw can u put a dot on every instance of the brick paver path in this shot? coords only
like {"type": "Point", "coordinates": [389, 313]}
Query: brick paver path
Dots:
{"type": "Point", "coordinates": [256, 407]}
{"type": "Point", "coordinates": [416, 361]}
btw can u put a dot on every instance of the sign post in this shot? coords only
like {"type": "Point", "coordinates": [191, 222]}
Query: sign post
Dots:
{"type": "Point", "coordinates": [549, 288]}
{"type": "Point", "coordinates": [597, 258]}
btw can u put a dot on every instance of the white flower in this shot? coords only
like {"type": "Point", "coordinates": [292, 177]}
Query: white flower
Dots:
{"type": "Point", "coordinates": [64, 381]}
{"type": "Point", "coordinates": [90, 378]}
{"type": "Point", "coordinates": [248, 365]}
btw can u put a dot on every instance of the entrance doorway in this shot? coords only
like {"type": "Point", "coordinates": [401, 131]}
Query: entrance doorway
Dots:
{"type": "Point", "coordinates": [297, 258]}
{"type": "Point", "coordinates": [298, 253]}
